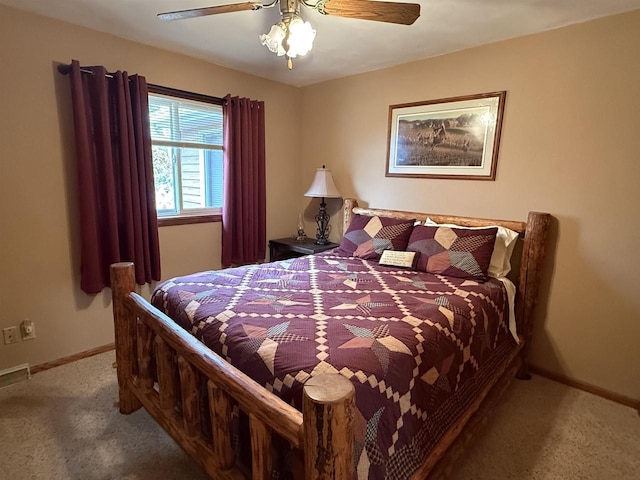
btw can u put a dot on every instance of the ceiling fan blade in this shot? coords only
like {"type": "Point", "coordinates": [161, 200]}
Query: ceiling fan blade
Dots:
{"type": "Point", "coordinates": [201, 12]}
{"type": "Point", "coordinates": [390, 12]}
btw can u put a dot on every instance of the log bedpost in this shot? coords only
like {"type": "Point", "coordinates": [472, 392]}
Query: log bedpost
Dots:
{"type": "Point", "coordinates": [348, 206]}
{"type": "Point", "coordinates": [533, 252]}
{"type": "Point", "coordinates": [123, 283]}
{"type": "Point", "coordinates": [328, 408]}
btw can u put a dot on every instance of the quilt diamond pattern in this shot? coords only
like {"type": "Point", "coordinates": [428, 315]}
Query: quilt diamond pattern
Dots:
{"type": "Point", "coordinates": [417, 347]}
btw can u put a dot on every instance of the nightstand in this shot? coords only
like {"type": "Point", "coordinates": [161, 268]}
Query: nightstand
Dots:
{"type": "Point", "coordinates": [284, 248]}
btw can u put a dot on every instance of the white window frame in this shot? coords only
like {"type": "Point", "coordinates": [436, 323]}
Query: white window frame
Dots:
{"type": "Point", "coordinates": [199, 215]}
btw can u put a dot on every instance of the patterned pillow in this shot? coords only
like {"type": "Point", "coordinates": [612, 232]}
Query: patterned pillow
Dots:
{"type": "Point", "coordinates": [368, 237]}
{"type": "Point", "coordinates": [506, 240]}
{"type": "Point", "coordinates": [455, 252]}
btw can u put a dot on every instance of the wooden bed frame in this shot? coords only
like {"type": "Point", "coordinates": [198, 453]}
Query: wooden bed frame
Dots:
{"type": "Point", "coordinates": [191, 391]}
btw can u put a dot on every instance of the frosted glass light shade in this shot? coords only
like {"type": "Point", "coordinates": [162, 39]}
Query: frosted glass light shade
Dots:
{"type": "Point", "coordinates": [323, 185]}
{"type": "Point", "coordinates": [301, 36]}
{"type": "Point", "coordinates": [273, 39]}
{"type": "Point", "coordinates": [299, 43]}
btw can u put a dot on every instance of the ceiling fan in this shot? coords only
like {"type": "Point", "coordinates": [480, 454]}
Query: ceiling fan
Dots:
{"type": "Point", "coordinates": [292, 36]}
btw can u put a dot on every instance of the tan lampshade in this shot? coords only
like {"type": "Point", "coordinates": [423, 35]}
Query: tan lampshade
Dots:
{"type": "Point", "coordinates": [323, 186]}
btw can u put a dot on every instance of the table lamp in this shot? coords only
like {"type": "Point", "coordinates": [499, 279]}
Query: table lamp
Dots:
{"type": "Point", "coordinates": [322, 187]}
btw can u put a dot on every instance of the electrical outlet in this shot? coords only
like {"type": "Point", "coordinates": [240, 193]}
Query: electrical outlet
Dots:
{"type": "Point", "coordinates": [28, 330]}
{"type": "Point", "coordinates": [10, 335]}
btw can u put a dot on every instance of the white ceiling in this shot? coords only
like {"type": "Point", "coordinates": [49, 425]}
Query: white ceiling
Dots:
{"type": "Point", "coordinates": [342, 46]}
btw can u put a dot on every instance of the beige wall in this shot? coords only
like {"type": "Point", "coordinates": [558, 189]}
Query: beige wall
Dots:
{"type": "Point", "coordinates": [38, 231]}
{"type": "Point", "coordinates": [570, 146]}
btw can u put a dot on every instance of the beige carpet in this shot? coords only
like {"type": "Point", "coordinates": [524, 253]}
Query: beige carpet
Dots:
{"type": "Point", "coordinates": [62, 424]}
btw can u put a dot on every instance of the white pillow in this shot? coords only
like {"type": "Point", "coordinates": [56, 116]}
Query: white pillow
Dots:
{"type": "Point", "coordinates": [503, 247]}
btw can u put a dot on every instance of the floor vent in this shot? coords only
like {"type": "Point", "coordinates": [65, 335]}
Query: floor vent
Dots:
{"type": "Point", "coordinates": [14, 375]}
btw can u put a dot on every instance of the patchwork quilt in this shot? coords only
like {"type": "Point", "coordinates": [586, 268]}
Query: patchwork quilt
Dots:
{"type": "Point", "coordinates": [418, 347]}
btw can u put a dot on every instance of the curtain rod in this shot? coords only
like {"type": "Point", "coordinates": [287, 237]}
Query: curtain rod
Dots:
{"type": "Point", "coordinates": [65, 69]}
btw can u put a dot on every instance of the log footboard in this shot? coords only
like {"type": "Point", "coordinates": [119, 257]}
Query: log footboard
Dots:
{"type": "Point", "coordinates": [192, 392]}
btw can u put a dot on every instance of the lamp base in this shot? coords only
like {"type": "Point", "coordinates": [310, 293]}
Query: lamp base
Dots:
{"type": "Point", "coordinates": [322, 219]}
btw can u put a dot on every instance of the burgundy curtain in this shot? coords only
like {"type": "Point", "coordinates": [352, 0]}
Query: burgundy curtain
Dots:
{"type": "Point", "coordinates": [116, 193]}
{"type": "Point", "coordinates": [244, 209]}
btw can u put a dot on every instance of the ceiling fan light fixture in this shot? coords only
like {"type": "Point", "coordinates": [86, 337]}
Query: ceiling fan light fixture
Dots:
{"type": "Point", "coordinates": [273, 39]}
{"type": "Point", "coordinates": [301, 36]}
{"type": "Point", "coordinates": [292, 37]}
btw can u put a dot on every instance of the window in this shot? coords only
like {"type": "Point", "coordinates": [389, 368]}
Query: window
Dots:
{"type": "Point", "coordinates": [186, 138]}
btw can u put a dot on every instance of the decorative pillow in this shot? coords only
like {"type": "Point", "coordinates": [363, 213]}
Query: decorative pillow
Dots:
{"type": "Point", "coordinates": [368, 237]}
{"type": "Point", "coordinates": [506, 240]}
{"type": "Point", "coordinates": [456, 252]}
{"type": "Point", "coordinates": [396, 258]}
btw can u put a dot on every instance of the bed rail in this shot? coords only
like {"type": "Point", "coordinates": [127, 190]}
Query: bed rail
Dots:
{"type": "Point", "coordinates": [191, 392]}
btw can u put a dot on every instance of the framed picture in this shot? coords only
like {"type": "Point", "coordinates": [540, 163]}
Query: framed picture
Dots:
{"type": "Point", "coordinates": [446, 138]}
